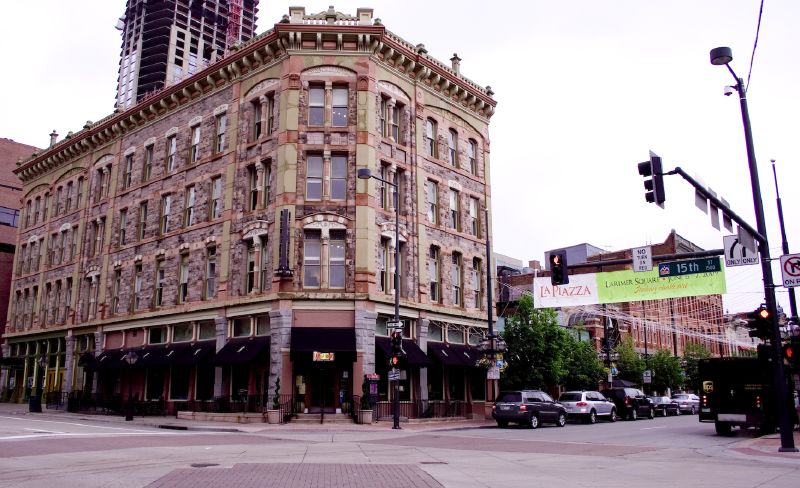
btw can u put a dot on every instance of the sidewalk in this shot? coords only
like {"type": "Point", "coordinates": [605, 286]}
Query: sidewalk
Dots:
{"type": "Point", "coordinates": [170, 422]}
{"type": "Point", "coordinates": [767, 446]}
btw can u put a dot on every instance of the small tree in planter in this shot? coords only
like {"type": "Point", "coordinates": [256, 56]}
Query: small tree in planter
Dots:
{"type": "Point", "coordinates": [274, 413]}
{"type": "Point", "coordinates": [365, 413]}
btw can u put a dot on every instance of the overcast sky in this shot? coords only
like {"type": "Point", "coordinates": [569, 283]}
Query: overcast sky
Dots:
{"type": "Point", "coordinates": [584, 89]}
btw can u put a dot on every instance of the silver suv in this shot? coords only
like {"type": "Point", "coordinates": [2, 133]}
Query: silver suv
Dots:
{"type": "Point", "coordinates": [588, 406]}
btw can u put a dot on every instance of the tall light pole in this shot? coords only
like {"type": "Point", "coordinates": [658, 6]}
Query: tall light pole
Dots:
{"type": "Point", "coordinates": [131, 359]}
{"type": "Point", "coordinates": [723, 56]}
{"type": "Point", "coordinates": [785, 243]}
{"type": "Point", "coordinates": [365, 174]}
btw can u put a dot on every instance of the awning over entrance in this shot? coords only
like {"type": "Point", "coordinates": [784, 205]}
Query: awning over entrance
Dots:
{"type": "Point", "coordinates": [414, 355]}
{"type": "Point", "coordinates": [196, 353]}
{"type": "Point", "coordinates": [162, 355]}
{"type": "Point", "coordinates": [241, 350]}
{"type": "Point", "coordinates": [323, 339]}
{"type": "Point", "coordinates": [453, 355]}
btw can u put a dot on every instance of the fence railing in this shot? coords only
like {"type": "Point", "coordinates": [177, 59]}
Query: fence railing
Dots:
{"type": "Point", "coordinates": [417, 409]}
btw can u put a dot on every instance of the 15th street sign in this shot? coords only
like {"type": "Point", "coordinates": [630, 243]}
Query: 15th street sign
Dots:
{"type": "Point", "coordinates": [689, 266]}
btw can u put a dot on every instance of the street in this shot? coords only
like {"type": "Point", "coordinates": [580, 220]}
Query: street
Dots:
{"type": "Point", "coordinates": [84, 451]}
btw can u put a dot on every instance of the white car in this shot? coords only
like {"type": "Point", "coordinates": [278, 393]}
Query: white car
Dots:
{"type": "Point", "coordinates": [588, 406]}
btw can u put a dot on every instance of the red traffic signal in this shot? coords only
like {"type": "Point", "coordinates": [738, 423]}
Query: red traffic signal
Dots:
{"type": "Point", "coordinates": [791, 355]}
{"type": "Point", "coordinates": [393, 361]}
{"type": "Point", "coordinates": [759, 322]}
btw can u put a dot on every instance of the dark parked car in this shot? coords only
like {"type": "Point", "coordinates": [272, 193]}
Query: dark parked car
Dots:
{"type": "Point", "coordinates": [527, 407]}
{"type": "Point", "coordinates": [665, 406]}
{"type": "Point", "coordinates": [687, 402]}
{"type": "Point", "coordinates": [631, 403]}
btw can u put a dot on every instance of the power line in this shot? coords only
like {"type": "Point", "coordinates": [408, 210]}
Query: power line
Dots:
{"type": "Point", "coordinates": [755, 43]}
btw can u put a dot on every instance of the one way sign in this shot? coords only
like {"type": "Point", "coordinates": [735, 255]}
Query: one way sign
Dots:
{"type": "Point", "coordinates": [736, 254]}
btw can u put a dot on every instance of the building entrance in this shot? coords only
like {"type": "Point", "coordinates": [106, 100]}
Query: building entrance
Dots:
{"type": "Point", "coordinates": [323, 387]}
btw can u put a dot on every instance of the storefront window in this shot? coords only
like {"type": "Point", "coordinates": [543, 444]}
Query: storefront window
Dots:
{"type": "Point", "coordinates": [474, 337]}
{"type": "Point", "coordinates": [262, 325]}
{"type": "Point", "coordinates": [455, 384]}
{"type": "Point", "coordinates": [207, 331]}
{"type": "Point", "coordinates": [158, 335]}
{"type": "Point", "coordinates": [455, 335]}
{"type": "Point", "coordinates": [380, 326]}
{"type": "Point", "coordinates": [155, 383]}
{"type": "Point", "coordinates": [204, 382]}
{"type": "Point", "coordinates": [179, 383]}
{"type": "Point", "coordinates": [241, 327]}
{"type": "Point", "coordinates": [435, 332]}
{"type": "Point", "coordinates": [182, 333]}
{"type": "Point", "coordinates": [435, 382]}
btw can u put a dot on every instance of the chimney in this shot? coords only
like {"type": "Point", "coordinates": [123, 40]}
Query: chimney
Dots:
{"type": "Point", "coordinates": [364, 16]}
{"type": "Point", "coordinates": [296, 15]}
{"type": "Point", "coordinates": [53, 138]}
{"type": "Point", "coordinates": [456, 63]}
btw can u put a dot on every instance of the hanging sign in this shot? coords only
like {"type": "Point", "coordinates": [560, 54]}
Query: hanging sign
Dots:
{"type": "Point", "coordinates": [323, 356]}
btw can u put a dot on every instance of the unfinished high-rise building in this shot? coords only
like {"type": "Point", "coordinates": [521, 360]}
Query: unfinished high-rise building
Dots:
{"type": "Point", "coordinates": [166, 41]}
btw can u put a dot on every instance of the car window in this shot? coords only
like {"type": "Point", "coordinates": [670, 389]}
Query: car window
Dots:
{"type": "Point", "coordinates": [570, 397]}
{"type": "Point", "coordinates": [680, 397]}
{"type": "Point", "coordinates": [509, 396]}
{"type": "Point", "coordinates": [546, 397]}
{"type": "Point", "coordinates": [592, 396]}
{"type": "Point", "coordinates": [534, 397]}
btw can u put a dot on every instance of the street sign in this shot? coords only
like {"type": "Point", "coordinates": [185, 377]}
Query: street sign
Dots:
{"type": "Point", "coordinates": [394, 374]}
{"type": "Point", "coordinates": [790, 270]}
{"type": "Point", "coordinates": [689, 266]}
{"type": "Point", "coordinates": [493, 373]}
{"type": "Point", "coordinates": [642, 258]}
{"type": "Point", "coordinates": [648, 377]}
{"type": "Point", "coordinates": [736, 253]}
{"type": "Point", "coordinates": [394, 325]}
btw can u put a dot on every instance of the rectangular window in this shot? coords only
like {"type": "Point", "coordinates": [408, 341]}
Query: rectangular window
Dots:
{"type": "Point", "coordinates": [127, 175]}
{"type": "Point", "coordinates": [215, 209]}
{"type": "Point", "coordinates": [394, 122]}
{"type": "Point", "coordinates": [250, 275]}
{"type": "Point", "coordinates": [183, 279]}
{"type": "Point", "coordinates": [477, 282]}
{"type": "Point", "coordinates": [270, 114]}
{"type": "Point", "coordinates": [382, 117]}
{"type": "Point", "coordinates": [263, 265]}
{"type": "Point", "coordinates": [62, 244]}
{"type": "Point", "coordinates": [474, 219]}
{"type": "Point", "coordinates": [314, 177]}
{"type": "Point", "coordinates": [339, 107]}
{"type": "Point", "coordinates": [210, 286]}
{"type": "Point", "coordinates": [158, 297]}
{"type": "Point", "coordinates": [383, 267]}
{"type": "Point", "coordinates": [163, 223]}
{"type": "Point", "coordinates": [182, 333]}
{"type": "Point", "coordinates": [188, 206]}
{"type": "Point", "coordinates": [220, 141]}
{"type": "Point", "coordinates": [316, 105]}
{"type": "Point", "coordinates": [457, 279]}
{"type": "Point", "coordinates": [141, 226]}
{"type": "Point", "coordinates": [252, 183]}
{"type": "Point", "coordinates": [79, 199]}
{"type": "Point", "coordinates": [258, 108]}
{"type": "Point", "coordinates": [117, 284]}
{"type": "Point", "coordinates": [194, 148]}
{"type": "Point", "coordinates": [67, 299]}
{"type": "Point", "coordinates": [44, 207]}
{"type": "Point", "coordinates": [54, 249]}
{"type": "Point", "coordinates": [262, 325]}
{"type": "Point", "coordinates": [433, 271]}
{"type": "Point", "coordinates": [267, 180]}
{"type": "Point", "coordinates": [241, 327]}
{"type": "Point", "coordinates": [336, 259]}
{"type": "Point", "coordinates": [455, 335]}
{"type": "Point", "coordinates": [338, 177]}
{"type": "Point", "coordinates": [137, 288]}
{"type": "Point", "coordinates": [59, 195]}
{"type": "Point", "coordinates": [123, 223]}
{"type": "Point", "coordinates": [472, 150]}
{"type": "Point", "coordinates": [455, 212]}
{"type": "Point", "coordinates": [430, 139]}
{"type": "Point", "coordinates": [311, 259]}
{"type": "Point", "coordinates": [36, 204]}
{"type": "Point", "coordinates": [74, 251]}
{"type": "Point", "coordinates": [157, 335]}
{"type": "Point", "coordinates": [206, 330]}
{"type": "Point", "coordinates": [452, 147]}
{"type": "Point", "coordinates": [172, 149]}
{"type": "Point", "coordinates": [432, 196]}
{"type": "Point", "coordinates": [147, 165]}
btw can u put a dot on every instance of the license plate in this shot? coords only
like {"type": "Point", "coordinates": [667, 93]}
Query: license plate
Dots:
{"type": "Point", "coordinates": [505, 407]}
{"type": "Point", "coordinates": [706, 409]}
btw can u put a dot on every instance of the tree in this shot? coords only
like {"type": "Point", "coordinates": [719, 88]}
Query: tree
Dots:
{"type": "Point", "coordinates": [692, 354]}
{"type": "Point", "coordinates": [537, 348]}
{"type": "Point", "coordinates": [666, 370]}
{"type": "Point", "coordinates": [630, 365]}
{"type": "Point", "coordinates": [583, 368]}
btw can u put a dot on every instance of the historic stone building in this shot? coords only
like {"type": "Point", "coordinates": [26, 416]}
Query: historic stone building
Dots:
{"type": "Point", "coordinates": [217, 229]}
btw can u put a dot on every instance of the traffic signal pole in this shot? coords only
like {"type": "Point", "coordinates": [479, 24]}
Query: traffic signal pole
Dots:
{"type": "Point", "coordinates": [785, 243]}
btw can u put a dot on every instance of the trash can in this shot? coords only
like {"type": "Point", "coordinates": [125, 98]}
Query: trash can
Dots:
{"type": "Point", "coordinates": [35, 404]}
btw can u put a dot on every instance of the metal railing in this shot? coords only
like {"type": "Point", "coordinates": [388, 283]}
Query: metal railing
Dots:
{"type": "Point", "coordinates": [417, 409]}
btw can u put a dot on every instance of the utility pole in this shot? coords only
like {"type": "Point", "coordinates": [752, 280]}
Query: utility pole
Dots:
{"type": "Point", "coordinates": [792, 299]}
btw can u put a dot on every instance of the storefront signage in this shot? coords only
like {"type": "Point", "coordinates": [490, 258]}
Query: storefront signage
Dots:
{"type": "Point", "coordinates": [323, 356]}
{"type": "Point", "coordinates": [625, 286]}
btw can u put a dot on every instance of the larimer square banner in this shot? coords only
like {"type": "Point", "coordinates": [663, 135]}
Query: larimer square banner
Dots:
{"type": "Point", "coordinates": [624, 286]}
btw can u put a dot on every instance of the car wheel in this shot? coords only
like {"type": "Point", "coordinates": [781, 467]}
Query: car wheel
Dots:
{"type": "Point", "coordinates": [592, 418]}
{"type": "Point", "coordinates": [694, 410]}
{"type": "Point", "coordinates": [634, 414]}
{"type": "Point", "coordinates": [562, 419]}
{"type": "Point", "coordinates": [678, 411]}
{"type": "Point", "coordinates": [502, 423]}
{"type": "Point", "coordinates": [534, 421]}
{"type": "Point", "coordinates": [613, 415]}
{"type": "Point", "coordinates": [652, 414]}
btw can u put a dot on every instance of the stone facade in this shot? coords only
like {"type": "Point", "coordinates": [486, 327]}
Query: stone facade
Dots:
{"type": "Point", "coordinates": [182, 194]}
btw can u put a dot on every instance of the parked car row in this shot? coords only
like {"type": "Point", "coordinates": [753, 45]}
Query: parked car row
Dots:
{"type": "Point", "coordinates": [534, 407]}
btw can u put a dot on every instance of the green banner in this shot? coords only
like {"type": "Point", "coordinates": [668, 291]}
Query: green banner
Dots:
{"type": "Point", "coordinates": [628, 285]}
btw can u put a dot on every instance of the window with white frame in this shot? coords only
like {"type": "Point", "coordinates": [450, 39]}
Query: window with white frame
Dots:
{"type": "Point", "coordinates": [472, 151]}
{"type": "Point", "coordinates": [183, 278]}
{"type": "Point", "coordinates": [455, 211]}
{"type": "Point", "coordinates": [336, 260]}
{"type": "Point", "coordinates": [115, 289]}
{"type": "Point", "coordinates": [188, 206]}
{"type": "Point", "coordinates": [338, 177]}
{"type": "Point", "coordinates": [166, 207]}
{"type": "Point", "coordinates": [215, 207]}
{"type": "Point", "coordinates": [312, 250]}
{"type": "Point", "coordinates": [432, 197]}
{"type": "Point", "coordinates": [258, 110]}
{"type": "Point", "coordinates": [147, 163]}
{"type": "Point", "coordinates": [316, 105]}
{"type": "Point", "coordinates": [339, 103]}
{"type": "Point", "coordinates": [314, 177]}
{"type": "Point", "coordinates": [457, 279]}
{"type": "Point", "coordinates": [158, 296]}
{"type": "Point", "coordinates": [123, 224]}
{"type": "Point", "coordinates": [220, 141]}
{"type": "Point", "coordinates": [434, 274]}
{"type": "Point", "coordinates": [137, 287]}
{"type": "Point", "coordinates": [452, 147]}
{"type": "Point", "coordinates": [210, 284]}
{"type": "Point", "coordinates": [194, 147]}
{"type": "Point", "coordinates": [384, 282]}
{"type": "Point", "coordinates": [141, 225]}
{"type": "Point", "coordinates": [474, 217]}
{"type": "Point", "coordinates": [252, 183]}
{"type": "Point", "coordinates": [430, 138]}
{"type": "Point", "coordinates": [127, 175]}
{"type": "Point", "coordinates": [477, 283]}
{"type": "Point", "coordinates": [172, 150]}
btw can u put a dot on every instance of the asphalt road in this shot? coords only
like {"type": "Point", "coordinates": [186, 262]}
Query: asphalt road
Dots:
{"type": "Point", "coordinates": [42, 450]}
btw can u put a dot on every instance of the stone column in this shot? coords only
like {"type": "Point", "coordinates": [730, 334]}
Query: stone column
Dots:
{"type": "Point", "coordinates": [221, 328]}
{"type": "Point", "coordinates": [325, 241]}
{"type": "Point", "coordinates": [328, 103]}
{"type": "Point", "coordinates": [260, 185]}
{"type": "Point", "coordinates": [422, 341]}
{"type": "Point", "coordinates": [264, 105]}
{"type": "Point", "coordinates": [69, 363]}
{"type": "Point", "coordinates": [257, 264]}
{"type": "Point", "coordinates": [392, 176]}
{"type": "Point", "coordinates": [93, 296]}
{"type": "Point", "coordinates": [390, 104]}
{"type": "Point", "coordinates": [365, 347]}
{"type": "Point", "coordinates": [326, 175]}
{"type": "Point", "coordinates": [280, 322]}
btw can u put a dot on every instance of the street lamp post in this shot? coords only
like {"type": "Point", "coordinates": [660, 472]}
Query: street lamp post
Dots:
{"type": "Point", "coordinates": [723, 56]}
{"type": "Point", "coordinates": [131, 359]}
{"type": "Point", "coordinates": [365, 174]}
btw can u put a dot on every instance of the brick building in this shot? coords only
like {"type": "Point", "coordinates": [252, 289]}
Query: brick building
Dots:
{"type": "Point", "coordinates": [217, 229]}
{"type": "Point", "coordinates": [653, 324]}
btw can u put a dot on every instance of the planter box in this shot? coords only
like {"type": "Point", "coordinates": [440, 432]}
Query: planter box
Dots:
{"type": "Point", "coordinates": [273, 416]}
{"type": "Point", "coordinates": [365, 417]}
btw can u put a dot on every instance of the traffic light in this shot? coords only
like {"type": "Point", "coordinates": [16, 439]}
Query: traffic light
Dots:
{"type": "Point", "coordinates": [760, 323]}
{"type": "Point", "coordinates": [394, 361]}
{"type": "Point", "coordinates": [654, 186]}
{"type": "Point", "coordinates": [397, 343]}
{"type": "Point", "coordinates": [791, 356]}
{"type": "Point", "coordinates": [559, 275]}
